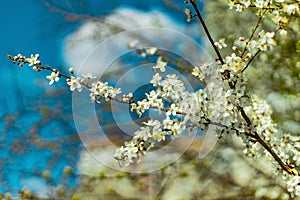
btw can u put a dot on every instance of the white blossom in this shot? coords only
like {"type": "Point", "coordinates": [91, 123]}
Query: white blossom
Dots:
{"type": "Point", "coordinates": [283, 33]}
{"type": "Point", "coordinates": [172, 110]}
{"type": "Point", "coordinates": [188, 14]}
{"type": "Point", "coordinates": [221, 43]}
{"type": "Point", "coordinates": [103, 90]}
{"type": "Point", "coordinates": [160, 64]}
{"type": "Point", "coordinates": [293, 185]}
{"type": "Point", "coordinates": [266, 40]}
{"type": "Point", "coordinates": [292, 9]}
{"type": "Point", "coordinates": [151, 51]}
{"type": "Point", "coordinates": [234, 62]}
{"type": "Point", "coordinates": [198, 74]}
{"type": "Point", "coordinates": [156, 79]}
{"type": "Point", "coordinates": [261, 3]}
{"type": "Point", "coordinates": [133, 44]}
{"type": "Point", "coordinates": [154, 100]}
{"type": "Point", "coordinates": [33, 60]}
{"type": "Point", "coordinates": [54, 76]}
{"type": "Point", "coordinates": [223, 102]}
{"type": "Point", "coordinates": [74, 83]}
{"type": "Point", "coordinates": [88, 76]}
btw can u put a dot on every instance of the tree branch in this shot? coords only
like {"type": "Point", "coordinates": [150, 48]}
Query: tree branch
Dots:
{"type": "Point", "coordinates": [250, 61]}
{"type": "Point", "coordinates": [284, 166]}
{"type": "Point", "coordinates": [253, 32]}
{"type": "Point", "coordinates": [194, 4]}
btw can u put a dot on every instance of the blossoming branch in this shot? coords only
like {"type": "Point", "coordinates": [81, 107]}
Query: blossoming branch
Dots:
{"type": "Point", "coordinates": [224, 102]}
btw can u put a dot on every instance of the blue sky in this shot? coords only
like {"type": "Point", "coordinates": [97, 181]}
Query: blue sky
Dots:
{"type": "Point", "coordinates": [26, 27]}
{"type": "Point", "coordinates": [29, 27]}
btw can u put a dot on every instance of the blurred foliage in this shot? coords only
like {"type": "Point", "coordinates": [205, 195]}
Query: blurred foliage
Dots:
{"type": "Point", "coordinates": [224, 174]}
{"type": "Point", "coordinates": [39, 146]}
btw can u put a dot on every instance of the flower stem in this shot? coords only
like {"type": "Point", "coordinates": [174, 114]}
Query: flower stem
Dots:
{"type": "Point", "coordinates": [250, 61]}
{"type": "Point", "coordinates": [253, 32]}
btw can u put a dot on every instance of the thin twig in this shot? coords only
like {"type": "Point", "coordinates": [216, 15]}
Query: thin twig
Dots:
{"type": "Point", "coordinates": [251, 60]}
{"type": "Point", "coordinates": [71, 16]}
{"type": "Point", "coordinates": [194, 4]}
{"type": "Point", "coordinates": [253, 32]}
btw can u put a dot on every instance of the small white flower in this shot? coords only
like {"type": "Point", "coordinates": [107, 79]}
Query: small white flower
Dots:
{"type": "Point", "coordinates": [230, 4]}
{"type": "Point", "coordinates": [100, 89]}
{"type": "Point", "coordinates": [160, 64]}
{"type": "Point", "coordinates": [74, 83]}
{"type": "Point", "coordinates": [248, 55]}
{"type": "Point", "coordinates": [88, 76]}
{"type": "Point", "coordinates": [143, 54]}
{"type": "Point", "coordinates": [172, 110]}
{"type": "Point", "coordinates": [198, 74]}
{"type": "Point", "coordinates": [292, 9]}
{"type": "Point", "coordinates": [261, 3]}
{"type": "Point", "coordinates": [154, 100]}
{"type": "Point", "coordinates": [239, 8]}
{"type": "Point", "coordinates": [54, 76]}
{"type": "Point", "coordinates": [283, 33]}
{"type": "Point", "coordinates": [235, 62]}
{"type": "Point", "coordinates": [151, 51]}
{"type": "Point", "coordinates": [252, 46]}
{"type": "Point", "coordinates": [156, 79]}
{"type": "Point", "coordinates": [133, 107]}
{"type": "Point", "coordinates": [221, 43]}
{"type": "Point", "coordinates": [268, 38]}
{"type": "Point", "coordinates": [144, 133]}
{"type": "Point", "coordinates": [33, 60]}
{"type": "Point", "coordinates": [188, 14]}
{"type": "Point", "coordinates": [142, 107]}
{"type": "Point", "coordinates": [246, 3]}
{"type": "Point", "coordinates": [293, 183]}
{"type": "Point", "coordinates": [133, 44]}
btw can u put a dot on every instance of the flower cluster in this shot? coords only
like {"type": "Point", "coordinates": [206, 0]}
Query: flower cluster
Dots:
{"type": "Point", "coordinates": [20, 60]}
{"type": "Point", "coordinates": [199, 109]}
{"type": "Point", "coordinates": [103, 90]}
{"type": "Point", "coordinates": [97, 89]}
{"type": "Point", "coordinates": [144, 139]}
{"type": "Point", "coordinates": [293, 185]}
{"type": "Point", "coordinates": [283, 6]}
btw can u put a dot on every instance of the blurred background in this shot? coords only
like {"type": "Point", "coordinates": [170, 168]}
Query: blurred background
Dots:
{"type": "Point", "coordinates": [41, 154]}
